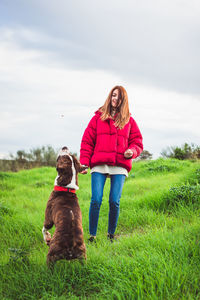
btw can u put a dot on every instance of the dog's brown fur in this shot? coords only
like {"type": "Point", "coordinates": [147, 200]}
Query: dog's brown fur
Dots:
{"type": "Point", "coordinates": [64, 212]}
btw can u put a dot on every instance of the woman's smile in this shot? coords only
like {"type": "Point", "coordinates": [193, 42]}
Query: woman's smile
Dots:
{"type": "Point", "coordinates": [115, 98]}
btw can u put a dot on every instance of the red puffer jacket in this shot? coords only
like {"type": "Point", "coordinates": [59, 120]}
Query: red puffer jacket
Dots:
{"type": "Point", "coordinates": [103, 143]}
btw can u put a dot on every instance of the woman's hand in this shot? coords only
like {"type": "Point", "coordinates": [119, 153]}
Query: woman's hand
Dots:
{"type": "Point", "coordinates": [128, 153]}
{"type": "Point", "coordinates": [84, 171]}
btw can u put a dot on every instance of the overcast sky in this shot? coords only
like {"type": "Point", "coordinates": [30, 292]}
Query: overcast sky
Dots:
{"type": "Point", "coordinates": [59, 60]}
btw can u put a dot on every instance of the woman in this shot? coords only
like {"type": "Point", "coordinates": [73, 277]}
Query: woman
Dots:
{"type": "Point", "coordinates": [110, 142]}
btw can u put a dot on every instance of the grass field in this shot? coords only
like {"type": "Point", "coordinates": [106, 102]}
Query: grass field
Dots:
{"type": "Point", "coordinates": [156, 255]}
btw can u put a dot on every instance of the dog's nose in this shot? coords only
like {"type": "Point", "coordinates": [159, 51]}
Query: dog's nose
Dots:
{"type": "Point", "coordinates": [65, 148]}
{"type": "Point", "coordinates": [63, 151]}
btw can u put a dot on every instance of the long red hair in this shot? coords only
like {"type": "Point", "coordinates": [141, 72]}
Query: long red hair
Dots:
{"type": "Point", "coordinates": [123, 114]}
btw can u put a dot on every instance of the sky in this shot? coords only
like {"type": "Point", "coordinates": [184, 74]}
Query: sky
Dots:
{"type": "Point", "coordinates": [60, 59]}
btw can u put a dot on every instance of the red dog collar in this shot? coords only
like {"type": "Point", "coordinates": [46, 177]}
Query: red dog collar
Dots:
{"type": "Point", "coordinates": [63, 189]}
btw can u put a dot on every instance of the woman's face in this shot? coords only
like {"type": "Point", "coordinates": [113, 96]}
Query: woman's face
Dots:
{"type": "Point", "coordinates": [115, 98]}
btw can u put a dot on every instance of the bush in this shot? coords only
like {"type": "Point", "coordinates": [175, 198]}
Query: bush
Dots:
{"type": "Point", "coordinates": [182, 195]}
{"type": "Point", "coordinates": [36, 157]}
{"type": "Point", "coordinates": [145, 155]}
{"type": "Point", "coordinates": [161, 168]}
{"type": "Point", "coordinates": [194, 177]}
{"type": "Point", "coordinates": [44, 155]}
{"type": "Point", "coordinates": [4, 209]}
{"type": "Point", "coordinates": [186, 151]}
{"type": "Point", "coordinates": [158, 166]}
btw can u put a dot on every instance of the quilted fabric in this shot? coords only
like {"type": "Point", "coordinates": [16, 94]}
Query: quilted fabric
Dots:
{"type": "Point", "coordinates": [103, 143]}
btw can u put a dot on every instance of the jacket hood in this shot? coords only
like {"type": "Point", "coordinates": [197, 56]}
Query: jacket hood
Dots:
{"type": "Point", "coordinates": [98, 112]}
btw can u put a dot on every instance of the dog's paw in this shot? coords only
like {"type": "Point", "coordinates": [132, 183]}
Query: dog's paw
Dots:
{"type": "Point", "coordinates": [47, 238]}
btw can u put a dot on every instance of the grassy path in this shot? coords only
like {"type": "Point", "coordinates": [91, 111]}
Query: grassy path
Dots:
{"type": "Point", "coordinates": [156, 255]}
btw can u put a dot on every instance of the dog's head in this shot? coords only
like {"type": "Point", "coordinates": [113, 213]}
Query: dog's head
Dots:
{"type": "Point", "coordinates": [68, 168]}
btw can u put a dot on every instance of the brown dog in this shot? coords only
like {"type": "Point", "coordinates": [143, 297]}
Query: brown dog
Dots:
{"type": "Point", "coordinates": [64, 212]}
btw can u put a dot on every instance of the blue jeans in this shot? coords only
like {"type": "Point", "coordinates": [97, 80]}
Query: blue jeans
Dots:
{"type": "Point", "coordinates": [98, 182]}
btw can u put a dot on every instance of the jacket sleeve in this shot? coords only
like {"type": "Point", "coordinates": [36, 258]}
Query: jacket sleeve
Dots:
{"type": "Point", "coordinates": [88, 142]}
{"type": "Point", "coordinates": [135, 139]}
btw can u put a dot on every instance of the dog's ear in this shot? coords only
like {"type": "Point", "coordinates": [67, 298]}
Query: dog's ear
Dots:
{"type": "Point", "coordinates": [79, 168]}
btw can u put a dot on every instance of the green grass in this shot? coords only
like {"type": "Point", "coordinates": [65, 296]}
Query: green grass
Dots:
{"type": "Point", "coordinates": [156, 255]}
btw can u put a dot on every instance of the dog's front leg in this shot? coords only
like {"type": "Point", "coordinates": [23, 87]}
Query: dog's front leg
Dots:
{"type": "Point", "coordinates": [46, 236]}
{"type": "Point", "coordinates": [79, 168]}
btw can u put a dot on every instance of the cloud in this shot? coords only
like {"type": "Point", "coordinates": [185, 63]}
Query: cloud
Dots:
{"type": "Point", "coordinates": [148, 42]}
{"type": "Point", "coordinates": [35, 94]}
{"type": "Point", "coordinates": [165, 118]}
{"type": "Point", "coordinates": [65, 59]}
